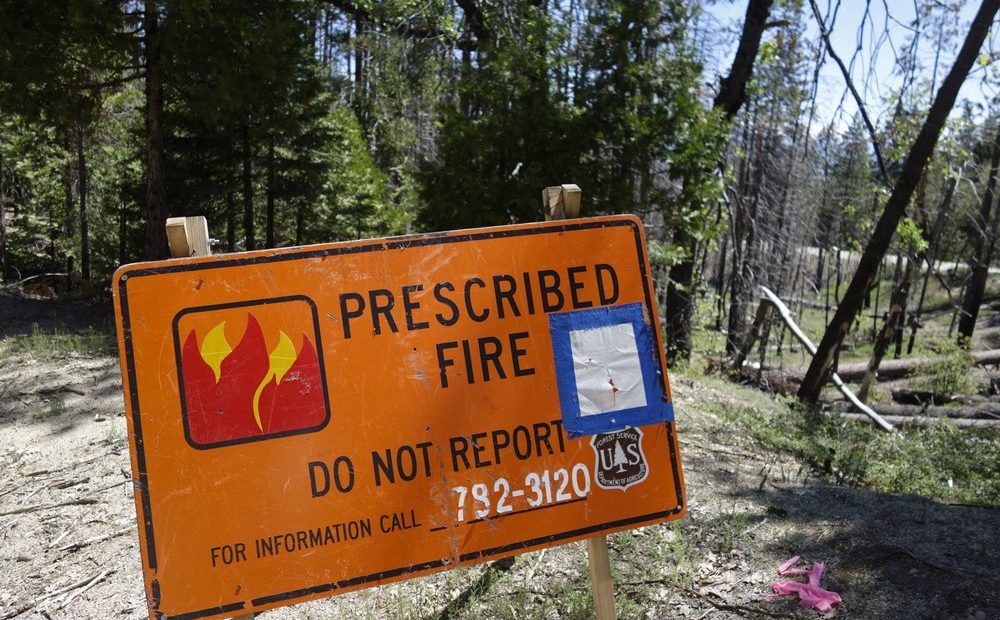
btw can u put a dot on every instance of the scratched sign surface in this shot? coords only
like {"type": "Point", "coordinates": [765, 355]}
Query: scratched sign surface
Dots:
{"type": "Point", "coordinates": [308, 421]}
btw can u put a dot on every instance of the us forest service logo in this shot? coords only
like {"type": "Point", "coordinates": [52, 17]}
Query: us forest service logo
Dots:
{"type": "Point", "coordinates": [621, 462]}
{"type": "Point", "coordinates": [250, 371]}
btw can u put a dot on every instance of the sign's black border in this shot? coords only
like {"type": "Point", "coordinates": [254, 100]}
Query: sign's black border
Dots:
{"type": "Point", "coordinates": [245, 304]}
{"type": "Point", "coordinates": [397, 243]}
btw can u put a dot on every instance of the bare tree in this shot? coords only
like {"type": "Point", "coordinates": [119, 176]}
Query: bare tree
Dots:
{"type": "Point", "coordinates": [985, 237]}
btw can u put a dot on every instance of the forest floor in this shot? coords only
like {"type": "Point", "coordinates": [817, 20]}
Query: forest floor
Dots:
{"type": "Point", "coordinates": [67, 517]}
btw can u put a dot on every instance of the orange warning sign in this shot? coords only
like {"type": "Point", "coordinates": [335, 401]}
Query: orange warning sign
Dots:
{"type": "Point", "coordinates": [309, 421]}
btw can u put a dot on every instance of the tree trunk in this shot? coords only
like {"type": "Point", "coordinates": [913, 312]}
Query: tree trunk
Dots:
{"type": "Point", "coordinates": [733, 88]}
{"type": "Point", "coordinates": [888, 370]}
{"type": "Point", "coordinates": [680, 305]}
{"type": "Point", "coordinates": [300, 222]}
{"type": "Point", "coordinates": [897, 312]}
{"type": "Point", "coordinates": [745, 279]}
{"type": "Point", "coordinates": [720, 283]}
{"type": "Point", "coordinates": [81, 181]}
{"type": "Point", "coordinates": [122, 227]}
{"type": "Point", "coordinates": [3, 225]}
{"type": "Point", "coordinates": [932, 251]}
{"type": "Point", "coordinates": [732, 95]}
{"type": "Point", "coordinates": [230, 221]}
{"type": "Point", "coordinates": [248, 224]}
{"type": "Point", "coordinates": [823, 362]}
{"type": "Point", "coordinates": [67, 227]}
{"type": "Point", "coordinates": [981, 255]}
{"type": "Point", "coordinates": [156, 201]}
{"type": "Point", "coordinates": [359, 71]}
{"type": "Point", "coordinates": [269, 204]}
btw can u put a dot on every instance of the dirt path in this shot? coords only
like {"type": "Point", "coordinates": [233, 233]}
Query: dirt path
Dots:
{"type": "Point", "coordinates": [68, 544]}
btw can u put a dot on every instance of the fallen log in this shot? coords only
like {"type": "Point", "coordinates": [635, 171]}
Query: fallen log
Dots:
{"type": "Point", "coordinates": [892, 369]}
{"type": "Point", "coordinates": [922, 421]}
{"type": "Point", "coordinates": [897, 369]}
{"type": "Point", "coordinates": [772, 379]}
{"type": "Point", "coordinates": [985, 411]}
{"type": "Point", "coordinates": [907, 396]}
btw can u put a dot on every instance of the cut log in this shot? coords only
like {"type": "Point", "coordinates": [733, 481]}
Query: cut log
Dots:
{"type": "Point", "coordinates": [985, 411]}
{"type": "Point", "coordinates": [921, 421]}
{"type": "Point", "coordinates": [891, 369]}
{"type": "Point", "coordinates": [906, 396]}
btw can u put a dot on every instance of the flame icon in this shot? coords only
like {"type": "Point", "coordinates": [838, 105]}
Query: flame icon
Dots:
{"type": "Point", "coordinates": [246, 391]}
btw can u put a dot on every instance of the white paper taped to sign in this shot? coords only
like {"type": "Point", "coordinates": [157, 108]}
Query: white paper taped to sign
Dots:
{"type": "Point", "coordinates": [607, 369]}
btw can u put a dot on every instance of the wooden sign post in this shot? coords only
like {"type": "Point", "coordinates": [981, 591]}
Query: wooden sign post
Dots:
{"type": "Point", "coordinates": [563, 202]}
{"type": "Point", "coordinates": [188, 236]}
{"type": "Point", "coordinates": [314, 420]}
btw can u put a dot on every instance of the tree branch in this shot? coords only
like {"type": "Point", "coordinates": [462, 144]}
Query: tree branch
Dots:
{"type": "Point", "coordinates": [733, 87]}
{"type": "Point", "coordinates": [475, 20]}
{"type": "Point", "coordinates": [119, 81]}
{"type": "Point", "coordinates": [403, 28]}
{"type": "Point", "coordinates": [854, 92]}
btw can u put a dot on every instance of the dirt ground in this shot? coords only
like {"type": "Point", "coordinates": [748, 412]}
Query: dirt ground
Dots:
{"type": "Point", "coordinates": [69, 549]}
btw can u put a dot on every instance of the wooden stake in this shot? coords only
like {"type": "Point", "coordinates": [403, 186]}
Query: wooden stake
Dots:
{"type": "Point", "coordinates": [562, 202]}
{"type": "Point", "coordinates": [188, 236]}
{"type": "Point", "coordinates": [600, 578]}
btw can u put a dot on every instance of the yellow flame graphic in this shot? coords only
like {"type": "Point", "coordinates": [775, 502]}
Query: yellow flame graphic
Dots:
{"type": "Point", "coordinates": [215, 348]}
{"type": "Point", "coordinates": [281, 360]}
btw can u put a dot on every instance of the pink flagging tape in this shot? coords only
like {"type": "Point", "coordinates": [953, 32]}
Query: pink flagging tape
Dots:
{"type": "Point", "coordinates": [810, 594]}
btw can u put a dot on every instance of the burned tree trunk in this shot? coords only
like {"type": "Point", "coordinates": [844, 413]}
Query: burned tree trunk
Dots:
{"type": "Point", "coordinates": [897, 311]}
{"type": "Point", "coordinates": [733, 88]}
{"type": "Point", "coordinates": [932, 252]}
{"type": "Point", "coordinates": [981, 255]}
{"type": "Point", "coordinates": [731, 97]}
{"type": "Point", "coordinates": [269, 202]}
{"type": "Point", "coordinates": [3, 225]}
{"type": "Point", "coordinates": [248, 216]}
{"type": "Point", "coordinates": [82, 188]}
{"type": "Point", "coordinates": [156, 201]}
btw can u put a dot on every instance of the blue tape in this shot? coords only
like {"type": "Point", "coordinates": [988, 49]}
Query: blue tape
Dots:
{"type": "Point", "coordinates": [657, 409]}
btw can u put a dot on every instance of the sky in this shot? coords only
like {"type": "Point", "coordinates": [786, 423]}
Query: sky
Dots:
{"type": "Point", "coordinates": [873, 71]}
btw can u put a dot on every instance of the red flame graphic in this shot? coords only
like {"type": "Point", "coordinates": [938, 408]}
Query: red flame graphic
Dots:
{"type": "Point", "coordinates": [223, 410]}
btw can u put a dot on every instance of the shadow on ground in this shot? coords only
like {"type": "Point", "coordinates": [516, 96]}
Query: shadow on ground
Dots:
{"type": "Point", "coordinates": [889, 556]}
{"type": "Point", "coordinates": [21, 317]}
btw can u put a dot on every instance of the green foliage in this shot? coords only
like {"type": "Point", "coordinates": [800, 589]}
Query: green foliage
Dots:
{"type": "Point", "coordinates": [504, 137]}
{"type": "Point", "coordinates": [851, 199]}
{"type": "Point", "coordinates": [33, 163]}
{"type": "Point", "coordinates": [664, 254]}
{"type": "Point", "coordinates": [42, 344]}
{"type": "Point", "coordinates": [373, 118]}
{"type": "Point", "coordinates": [264, 107]}
{"type": "Point", "coordinates": [353, 202]}
{"type": "Point", "coordinates": [947, 371]}
{"type": "Point", "coordinates": [940, 462]}
{"type": "Point", "coordinates": [910, 233]}
{"type": "Point", "coordinates": [56, 56]}
{"type": "Point", "coordinates": [623, 119]}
